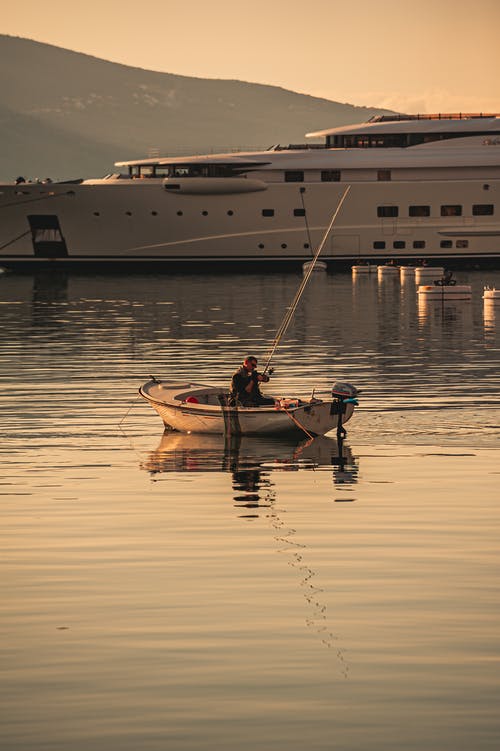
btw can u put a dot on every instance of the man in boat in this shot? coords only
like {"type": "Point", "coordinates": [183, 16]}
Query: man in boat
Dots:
{"type": "Point", "coordinates": [245, 385]}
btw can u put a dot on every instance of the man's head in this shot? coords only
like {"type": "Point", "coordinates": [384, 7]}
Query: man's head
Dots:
{"type": "Point", "coordinates": [250, 363]}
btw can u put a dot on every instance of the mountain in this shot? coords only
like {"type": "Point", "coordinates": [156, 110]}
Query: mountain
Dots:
{"type": "Point", "coordinates": [64, 114]}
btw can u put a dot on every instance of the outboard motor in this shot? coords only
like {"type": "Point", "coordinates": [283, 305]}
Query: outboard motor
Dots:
{"type": "Point", "coordinates": [342, 394]}
{"type": "Point", "coordinates": [344, 390]}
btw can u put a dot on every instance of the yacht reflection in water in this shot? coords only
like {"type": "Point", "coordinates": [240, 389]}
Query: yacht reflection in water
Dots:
{"type": "Point", "coordinates": [251, 460]}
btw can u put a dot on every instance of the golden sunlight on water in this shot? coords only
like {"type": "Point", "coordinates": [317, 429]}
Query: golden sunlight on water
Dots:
{"type": "Point", "coordinates": [168, 591]}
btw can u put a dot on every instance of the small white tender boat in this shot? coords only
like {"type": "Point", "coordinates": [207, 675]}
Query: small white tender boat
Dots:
{"type": "Point", "coordinates": [317, 266]}
{"type": "Point", "coordinates": [490, 293]}
{"type": "Point", "coordinates": [387, 270]}
{"type": "Point", "coordinates": [426, 274]}
{"type": "Point", "coordinates": [407, 272]}
{"type": "Point", "coordinates": [445, 292]}
{"type": "Point", "coordinates": [197, 408]}
{"type": "Point", "coordinates": [364, 268]}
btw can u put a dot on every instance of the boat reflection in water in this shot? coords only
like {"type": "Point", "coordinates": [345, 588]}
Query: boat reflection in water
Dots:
{"type": "Point", "coordinates": [251, 460]}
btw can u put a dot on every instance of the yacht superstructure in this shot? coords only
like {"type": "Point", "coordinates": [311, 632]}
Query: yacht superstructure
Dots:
{"type": "Point", "coordinates": [422, 186]}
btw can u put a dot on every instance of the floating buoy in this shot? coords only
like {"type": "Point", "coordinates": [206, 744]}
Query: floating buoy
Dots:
{"type": "Point", "coordinates": [428, 273]}
{"type": "Point", "coordinates": [365, 268]}
{"type": "Point", "coordinates": [387, 270]}
{"type": "Point", "coordinates": [445, 292]}
{"type": "Point", "coordinates": [318, 266]}
{"type": "Point", "coordinates": [490, 293]}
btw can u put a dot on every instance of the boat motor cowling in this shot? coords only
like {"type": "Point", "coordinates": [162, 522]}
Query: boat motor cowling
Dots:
{"type": "Point", "coordinates": [342, 390]}
{"type": "Point", "coordinates": [343, 393]}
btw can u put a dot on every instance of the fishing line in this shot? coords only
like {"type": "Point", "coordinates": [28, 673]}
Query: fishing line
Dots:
{"type": "Point", "coordinates": [291, 310]}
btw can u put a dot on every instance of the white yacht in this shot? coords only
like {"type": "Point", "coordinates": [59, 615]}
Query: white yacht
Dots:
{"type": "Point", "coordinates": [422, 186]}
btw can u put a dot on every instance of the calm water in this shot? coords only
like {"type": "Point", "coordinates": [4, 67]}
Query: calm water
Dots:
{"type": "Point", "coordinates": [172, 592]}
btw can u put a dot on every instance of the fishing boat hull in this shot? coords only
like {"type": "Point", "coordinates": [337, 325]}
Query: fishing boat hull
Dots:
{"type": "Point", "coordinates": [195, 408]}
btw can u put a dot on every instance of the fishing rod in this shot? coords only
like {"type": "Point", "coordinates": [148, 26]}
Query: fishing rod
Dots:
{"type": "Point", "coordinates": [291, 310]}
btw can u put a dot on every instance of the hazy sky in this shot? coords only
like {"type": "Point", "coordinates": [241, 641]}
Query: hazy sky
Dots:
{"type": "Point", "coordinates": [423, 55]}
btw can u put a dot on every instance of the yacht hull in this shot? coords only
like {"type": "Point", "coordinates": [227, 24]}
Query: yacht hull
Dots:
{"type": "Point", "coordinates": [119, 221]}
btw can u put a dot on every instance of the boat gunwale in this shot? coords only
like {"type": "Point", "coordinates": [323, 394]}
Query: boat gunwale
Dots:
{"type": "Point", "coordinates": [210, 409]}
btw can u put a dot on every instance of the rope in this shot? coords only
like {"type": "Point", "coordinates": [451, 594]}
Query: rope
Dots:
{"type": "Point", "coordinates": [294, 419]}
{"type": "Point", "coordinates": [291, 310]}
{"type": "Point", "coordinates": [6, 245]}
{"type": "Point", "coordinates": [302, 191]}
{"type": "Point", "coordinates": [35, 199]}
{"type": "Point", "coordinates": [128, 410]}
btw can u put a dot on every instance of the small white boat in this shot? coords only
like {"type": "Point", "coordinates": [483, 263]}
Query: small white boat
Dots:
{"type": "Point", "coordinates": [197, 408]}
{"type": "Point", "coordinates": [407, 272]}
{"type": "Point", "coordinates": [364, 268]}
{"type": "Point", "coordinates": [490, 293]}
{"type": "Point", "coordinates": [317, 266]}
{"type": "Point", "coordinates": [445, 292]}
{"type": "Point", "coordinates": [427, 274]}
{"type": "Point", "coordinates": [387, 270]}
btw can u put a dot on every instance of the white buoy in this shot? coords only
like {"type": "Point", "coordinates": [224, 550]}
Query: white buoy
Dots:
{"type": "Point", "coordinates": [318, 266]}
{"type": "Point", "coordinates": [490, 293]}
{"type": "Point", "coordinates": [407, 272]}
{"type": "Point", "coordinates": [387, 270]}
{"type": "Point", "coordinates": [445, 292]}
{"type": "Point", "coordinates": [425, 274]}
{"type": "Point", "coordinates": [365, 268]}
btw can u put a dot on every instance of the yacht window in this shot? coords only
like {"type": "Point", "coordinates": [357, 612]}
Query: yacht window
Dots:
{"type": "Point", "coordinates": [462, 243]}
{"type": "Point", "coordinates": [384, 174]}
{"type": "Point", "coordinates": [419, 211]}
{"type": "Point", "coordinates": [398, 140]}
{"type": "Point", "coordinates": [294, 176]}
{"type": "Point", "coordinates": [267, 212]}
{"type": "Point", "coordinates": [483, 209]}
{"type": "Point", "coordinates": [162, 171]}
{"type": "Point", "coordinates": [180, 172]}
{"type": "Point", "coordinates": [299, 212]}
{"type": "Point", "coordinates": [379, 245]}
{"type": "Point", "coordinates": [399, 244]}
{"type": "Point", "coordinates": [446, 244]}
{"type": "Point", "coordinates": [385, 211]}
{"type": "Point", "coordinates": [453, 210]}
{"type": "Point", "coordinates": [330, 176]}
{"type": "Point", "coordinates": [141, 171]}
{"type": "Point", "coordinates": [419, 243]}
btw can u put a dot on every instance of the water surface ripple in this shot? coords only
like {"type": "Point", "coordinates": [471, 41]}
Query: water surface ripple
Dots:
{"type": "Point", "coordinates": [182, 592]}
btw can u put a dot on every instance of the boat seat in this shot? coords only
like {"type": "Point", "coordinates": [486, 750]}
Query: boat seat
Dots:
{"type": "Point", "coordinates": [210, 398]}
